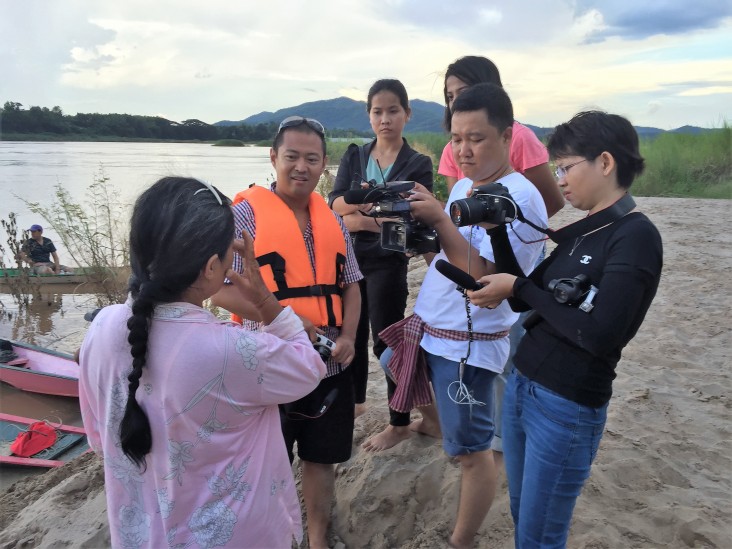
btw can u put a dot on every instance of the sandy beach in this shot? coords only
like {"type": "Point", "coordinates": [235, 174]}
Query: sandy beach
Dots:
{"type": "Point", "coordinates": [662, 477]}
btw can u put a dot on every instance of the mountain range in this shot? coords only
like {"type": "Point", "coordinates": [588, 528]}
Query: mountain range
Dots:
{"type": "Point", "coordinates": [348, 114]}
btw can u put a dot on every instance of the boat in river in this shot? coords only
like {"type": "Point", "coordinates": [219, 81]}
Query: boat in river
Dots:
{"type": "Point", "coordinates": [69, 443]}
{"type": "Point", "coordinates": [39, 370]}
{"type": "Point", "coordinates": [82, 279]}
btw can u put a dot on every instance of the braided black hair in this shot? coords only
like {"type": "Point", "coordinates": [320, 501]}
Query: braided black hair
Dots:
{"type": "Point", "coordinates": [173, 232]}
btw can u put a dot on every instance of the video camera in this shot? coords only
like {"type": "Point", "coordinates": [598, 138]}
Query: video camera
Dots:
{"type": "Point", "coordinates": [406, 235]}
{"type": "Point", "coordinates": [489, 203]}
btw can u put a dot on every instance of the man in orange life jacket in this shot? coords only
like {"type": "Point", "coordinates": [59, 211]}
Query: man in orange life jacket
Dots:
{"type": "Point", "coordinates": [307, 261]}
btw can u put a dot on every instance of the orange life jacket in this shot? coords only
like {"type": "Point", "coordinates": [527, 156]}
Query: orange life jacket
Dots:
{"type": "Point", "coordinates": [284, 261]}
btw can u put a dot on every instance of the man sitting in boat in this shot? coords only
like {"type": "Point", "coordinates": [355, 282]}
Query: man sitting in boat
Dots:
{"type": "Point", "coordinates": [38, 251]}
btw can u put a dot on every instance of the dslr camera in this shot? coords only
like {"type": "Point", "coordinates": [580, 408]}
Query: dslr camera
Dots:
{"type": "Point", "coordinates": [573, 291]}
{"type": "Point", "coordinates": [489, 203]}
{"type": "Point", "coordinates": [406, 235]}
{"type": "Point", "coordinates": [324, 346]}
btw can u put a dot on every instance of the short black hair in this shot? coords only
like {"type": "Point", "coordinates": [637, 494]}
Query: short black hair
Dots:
{"type": "Point", "coordinates": [490, 98]}
{"type": "Point", "coordinates": [590, 133]}
{"type": "Point", "coordinates": [303, 128]}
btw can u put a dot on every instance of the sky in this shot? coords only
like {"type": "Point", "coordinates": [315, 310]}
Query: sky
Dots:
{"type": "Point", "coordinates": [661, 63]}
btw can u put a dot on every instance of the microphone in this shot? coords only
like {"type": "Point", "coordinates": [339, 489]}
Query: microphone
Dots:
{"type": "Point", "coordinates": [458, 276]}
{"type": "Point", "coordinates": [362, 196]}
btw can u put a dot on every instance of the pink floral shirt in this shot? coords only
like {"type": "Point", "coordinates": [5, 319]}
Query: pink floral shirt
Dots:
{"type": "Point", "coordinates": [218, 474]}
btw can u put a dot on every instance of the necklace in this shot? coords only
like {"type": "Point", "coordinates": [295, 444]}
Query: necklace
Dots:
{"type": "Point", "coordinates": [577, 242]}
{"type": "Point", "coordinates": [579, 239]}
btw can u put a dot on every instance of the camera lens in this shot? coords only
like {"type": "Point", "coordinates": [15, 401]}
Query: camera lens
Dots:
{"type": "Point", "coordinates": [467, 211]}
{"type": "Point", "coordinates": [561, 295]}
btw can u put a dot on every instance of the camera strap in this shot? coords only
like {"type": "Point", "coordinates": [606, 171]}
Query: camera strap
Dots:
{"type": "Point", "coordinates": [590, 223]}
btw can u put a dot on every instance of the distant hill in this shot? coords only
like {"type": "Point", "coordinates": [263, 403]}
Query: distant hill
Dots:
{"type": "Point", "coordinates": [347, 114]}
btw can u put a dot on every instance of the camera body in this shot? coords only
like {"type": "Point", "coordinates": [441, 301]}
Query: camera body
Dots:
{"type": "Point", "coordinates": [573, 291]}
{"type": "Point", "coordinates": [409, 236]}
{"type": "Point", "coordinates": [569, 290]}
{"type": "Point", "coordinates": [324, 346]}
{"type": "Point", "coordinates": [489, 203]}
{"type": "Point", "coordinates": [405, 235]}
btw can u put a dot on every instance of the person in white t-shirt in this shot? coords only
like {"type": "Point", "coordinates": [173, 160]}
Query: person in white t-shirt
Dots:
{"type": "Point", "coordinates": [461, 370]}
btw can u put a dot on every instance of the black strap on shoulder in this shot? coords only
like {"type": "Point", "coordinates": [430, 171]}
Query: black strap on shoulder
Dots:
{"type": "Point", "coordinates": [590, 223]}
{"type": "Point", "coordinates": [593, 222]}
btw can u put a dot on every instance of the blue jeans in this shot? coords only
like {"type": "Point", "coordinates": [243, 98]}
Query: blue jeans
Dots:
{"type": "Point", "coordinates": [549, 443]}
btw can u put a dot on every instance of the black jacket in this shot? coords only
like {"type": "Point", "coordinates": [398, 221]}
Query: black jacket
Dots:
{"type": "Point", "coordinates": [408, 166]}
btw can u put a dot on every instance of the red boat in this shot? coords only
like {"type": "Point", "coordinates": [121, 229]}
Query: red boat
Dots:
{"type": "Point", "coordinates": [40, 370]}
{"type": "Point", "coordinates": [70, 443]}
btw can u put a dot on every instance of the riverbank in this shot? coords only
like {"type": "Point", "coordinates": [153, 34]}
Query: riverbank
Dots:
{"type": "Point", "coordinates": [661, 478]}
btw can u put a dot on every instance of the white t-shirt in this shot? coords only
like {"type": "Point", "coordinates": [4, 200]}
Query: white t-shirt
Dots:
{"type": "Point", "coordinates": [441, 306]}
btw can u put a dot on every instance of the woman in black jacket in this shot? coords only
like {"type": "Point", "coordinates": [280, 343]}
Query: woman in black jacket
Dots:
{"type": "Point", "coordinates": [384, 287]}
{"type": "Point", "coordinates": [590, 296]}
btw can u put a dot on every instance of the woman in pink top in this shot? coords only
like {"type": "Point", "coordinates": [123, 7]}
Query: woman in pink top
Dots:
{"type": "Point", "coordinates": [183, 406]}
{"type": "Point", "coordinates": [527, 154]}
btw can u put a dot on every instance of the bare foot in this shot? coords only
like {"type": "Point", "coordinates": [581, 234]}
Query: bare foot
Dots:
{"type": "Point", "coordinates": [359, 409]}
{"type": "Point", "coordinates": [425, 427]}
{"type": "Point", "coordinates": [388, 438]}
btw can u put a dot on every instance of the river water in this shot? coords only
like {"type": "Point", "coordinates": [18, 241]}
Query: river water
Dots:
{"type": "Point", "coordinates": [29, 171]}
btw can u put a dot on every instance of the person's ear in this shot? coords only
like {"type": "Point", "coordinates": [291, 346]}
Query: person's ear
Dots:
{"type": "Point", "coordinates": [507, 134]}
{"type": "Point", "coordinates": [273, 157]}
{"type": "Point", "coordinates": [607, 161]}
{"type": "Point", "coordinates": [209, 271]}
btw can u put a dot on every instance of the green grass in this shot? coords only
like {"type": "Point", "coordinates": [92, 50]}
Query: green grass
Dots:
{"type": "Point", "coordinates": [677, 165]}
{"type": "Point", "coordinates": [690, 166]}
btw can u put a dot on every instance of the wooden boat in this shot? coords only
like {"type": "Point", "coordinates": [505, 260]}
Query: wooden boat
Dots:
{"type": "Point", "coordinates": [80, 279]}
{"type": "Point", "coordinates": [71, 442]}
{"type": "Point", "coordinates": [40, 370]}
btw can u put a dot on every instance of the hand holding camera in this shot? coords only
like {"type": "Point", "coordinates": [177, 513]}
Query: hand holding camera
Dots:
{"type": "Point", "coordinates": [406, 234]}
{"type": "Point", "coordinates": [324, 346]}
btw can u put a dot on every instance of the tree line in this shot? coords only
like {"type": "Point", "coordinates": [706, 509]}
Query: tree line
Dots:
{"type": "Point", "coordinates": [14, 119]}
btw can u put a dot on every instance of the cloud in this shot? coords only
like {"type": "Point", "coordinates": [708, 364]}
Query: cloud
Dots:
{"type": "Point", "coordinates": [637, 20]}
{"type": "Point", "coordinates": [228, 60]}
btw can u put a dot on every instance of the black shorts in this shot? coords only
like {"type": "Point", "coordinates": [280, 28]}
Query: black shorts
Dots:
{"type": "Point", "coordinates": [322, 436]}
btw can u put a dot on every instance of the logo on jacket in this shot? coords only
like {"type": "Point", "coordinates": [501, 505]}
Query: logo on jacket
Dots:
{"type": "Point", "coordinates": [586, 259]}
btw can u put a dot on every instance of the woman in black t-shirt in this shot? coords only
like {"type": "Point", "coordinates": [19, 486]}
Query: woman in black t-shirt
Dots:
{"type": "Point", "coordinates": [384, 287]}
{"type": "Point", "coordinates": [590, 296]}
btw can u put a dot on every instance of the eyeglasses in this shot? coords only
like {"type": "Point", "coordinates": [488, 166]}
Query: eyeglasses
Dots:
{"type": "Point", "coordinates": [561, 171]}
{"type": "Point", "coordinates": [294, 121]}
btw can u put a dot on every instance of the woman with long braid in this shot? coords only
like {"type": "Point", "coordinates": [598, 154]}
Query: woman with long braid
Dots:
{"type": "Point", "coordinates": [183, 406]}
